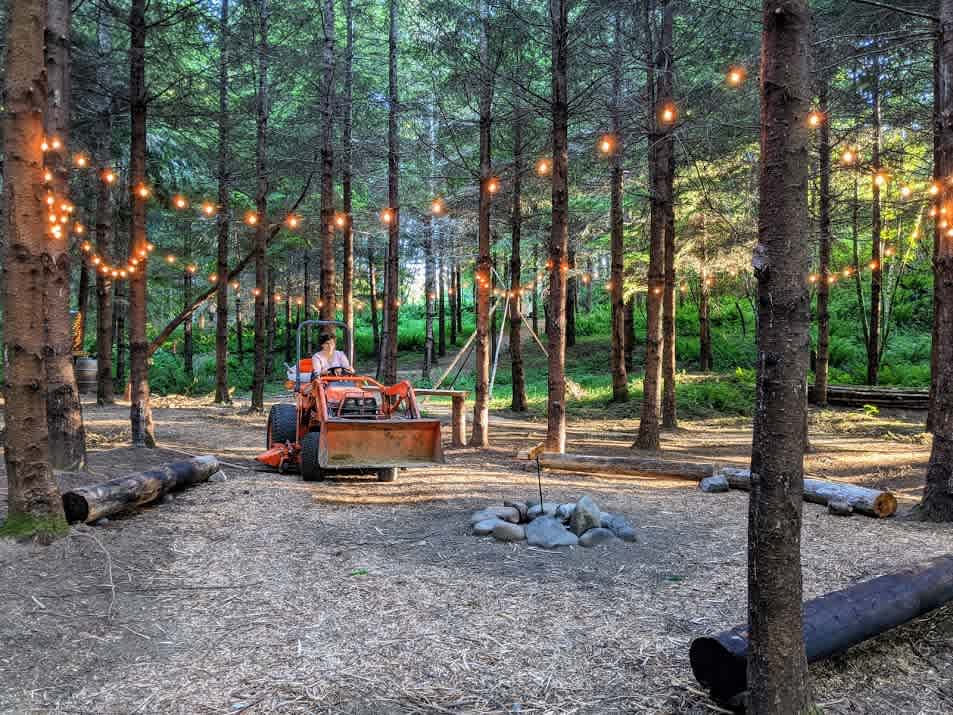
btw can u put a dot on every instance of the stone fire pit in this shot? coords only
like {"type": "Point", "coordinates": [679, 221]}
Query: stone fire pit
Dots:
{"type": "Point", "coordinates": [551, 524]}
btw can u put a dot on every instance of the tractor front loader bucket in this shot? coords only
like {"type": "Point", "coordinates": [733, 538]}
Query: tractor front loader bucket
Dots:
{"type": "Point", "coordinates": [350, 444]}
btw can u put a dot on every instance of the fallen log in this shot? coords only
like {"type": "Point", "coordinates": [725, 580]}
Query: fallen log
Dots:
{"type": "Point", "coordinates": [832, 623]}
{"type": "Point", "coordinates": [87, 504]}
{"type": "Point", "coordinates": [862, 500]}
{"type": "Point", "coordinates": [630, 466]}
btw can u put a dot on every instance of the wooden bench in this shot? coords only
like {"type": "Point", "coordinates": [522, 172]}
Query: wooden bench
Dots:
{"type": "Point", "coordinates": [458, 420]}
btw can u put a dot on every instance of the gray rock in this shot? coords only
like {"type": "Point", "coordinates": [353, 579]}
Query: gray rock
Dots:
{"type": "Point", "coordinates": [102, 521]}
{"type": "Point", "coordinates": [505, 513]}
{"type": "Point", "coordinates": [505, 531]}
{"type": "Point", "coordinates": [486, 527]}
{"type": "Point", "coordinates": [618, 526]}
{"type": "Point", "coordinates": [585, 516]}
{"type": "Point", "coordinates": [597, 536]}
{"type": "Point", "coordinates": [547, 509]}
{"type": "Point", "coordinates": [519, 506]}
{"type": "Point", "coordinates": [715, 484]}
{"type": "Point", "coordinates": [219, 476]}
{"type": "Point", "coordinates": [564, 512]}
{"type": "Point", "coordinates": [840, 508]}
{"type": "Point", "coordinates": [167, 499]}
{"type": "Point", "coordinates": [546, 531]}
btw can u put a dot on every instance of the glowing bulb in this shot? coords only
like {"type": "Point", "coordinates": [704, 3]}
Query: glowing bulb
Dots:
{"type": "Point", "coordinates": [180, 202]}
{"type": "Point", "coordinates": [251, 218]}
{"type": "Point", "coordinates": [340, 220]}
{"type": "Point", "coordinates": [815, 118]}
{"type": "Point", "coordinates": [873, 265]}
{"type": "Point", "coordinates": [292, 221]}
{"type": "Point", "coordinates": [905, 192]}
{"type": "Point", "coordinates": [256, 292]}
{"type": "Point", "coordinates": [208, 209]}
{"type": "Point", "coordinates": [56, 231]}
{"type": "Point", "coordinates": [889, 251]}
{"type": "Point", "coordinates": [97, 260]}
{"type": "Point", "coordinates": [813, 278]}
{"type": "Point", "coordinates": [56, 144]}
{"type": "Point", "coordinates": [80, 160]}
{"type": "Point", "coordinates": [933, 212]}
{"type": "Point", "coordinates": [880, 179]}
{"type": "Point", "coordinates": [934, 189]}
{"type": "Point", "coordinates": [847, 157]}
{"type": "Point", "coordinates": [122, 274]}
{"type": "Point", "coordinates": [387, 216]}
{"type": "Point", "coordinates": [45, 146]}
{"type": "Point", "coordinates": [543, 167]}
{"type": "Point", "coordinates": [109, 177]}
{"type": "Point", "coordinates": [235, 285]}
{"type": "Point", "coordinates": [150, 248]}
{"type": "Point", "coordinates": [668, 114]}
{"type": "Point", "coordinates": [192, 269]}
{"type": "Point", "coordinates": [736, 75]}
{"type": "Point", "coordinates": [79, 229]}
{"type": "Point", "coordinates": [47, 176]}
{"type": "Point", "coordinates": [492, 185]}
{"type": "Point", "coordinates": [143, 191]}
{"type": "Point", "coordinates": [606, 144]}
{"type": "Point", "coordinates": [213, 278]}
{"type": "Point", "coordinates": [299, 301]}
{"type": "Point", "coordinates": [50, 200]}
{"type": "Point", "coordinates": [437, 207]}
{"type": "Point", "coordinates": [87, 246]}
{"type": "Point", "coordinates": [170, 258]}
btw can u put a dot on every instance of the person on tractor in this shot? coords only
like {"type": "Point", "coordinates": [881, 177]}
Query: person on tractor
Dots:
{"type": "Point", "coordinates": [328, 357]}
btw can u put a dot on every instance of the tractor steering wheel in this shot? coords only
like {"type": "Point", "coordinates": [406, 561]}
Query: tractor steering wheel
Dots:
{"type": "Point", "coordinates": [338, 371]}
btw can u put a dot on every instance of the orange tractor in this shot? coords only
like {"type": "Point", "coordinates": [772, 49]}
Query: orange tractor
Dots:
{"type": "Point", "coordinates": [344, 423]}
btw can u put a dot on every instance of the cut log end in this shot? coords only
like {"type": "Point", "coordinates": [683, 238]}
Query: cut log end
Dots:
{"type": "Point", "coordinates": [885, 504]}
{"type": "Point", "coordinates": [76, 507]}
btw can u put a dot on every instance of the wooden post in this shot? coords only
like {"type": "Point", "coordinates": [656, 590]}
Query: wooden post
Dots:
{"type": "Point", "coordinates": [458, 434]}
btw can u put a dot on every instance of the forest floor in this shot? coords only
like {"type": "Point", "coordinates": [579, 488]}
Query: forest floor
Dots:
{"type": "Point", "coordinates": [266, 594]}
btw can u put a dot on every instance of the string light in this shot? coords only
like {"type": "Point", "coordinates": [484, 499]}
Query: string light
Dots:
{"type": "Point", "coordinates": [437, 207]}
{"type": "Point", "coordinates": [142, 191]}
{"type": "Point", "coordinates": [340, 220]}
{"type": "Point", "coordinates": [934, 189]}
{"type": "Point", "coordinates": [235, 285]}
{"type": "Point", "coordinates": [387, 216]}
{"type": "Point", "coordinates": [847, 157]}
{"type": "Point", "coordinates": [815, 118]}
{"type": "Point", "coordinates": [180, 201]}
{"type": "Point", "coordinates": [80, 160]}
{"type": "Point", "coordinates": [170, 258]}
{"type": "Point", "coordinates": [492, 185]}
{"type": "Point", "coordinates": [607, 144]}
{"type": "Point", "coordinates": [109, 177]}
{"type": "Point", "coordinates": [208, 209]}
{"type": "Point", "coordinates": [213, 278]}
{"type": "Point", "coordinates": [45, 146]}
{"type": "Point", "coordinates": [543, 167]}
{"type": "Point", "coordinates": [880, 178]}
{"type": "Point", "coordinates": [905, 192]}
{"type": "Point", "coordinates": [668, 113]}
{"type": "Point", "coordinates": [56, 144]}
{"type": "Point", "coordinates": [736, 75]}
{"type": "Point", "coordinates": [251, 218]}
{"type": "Point", "coordinates": [292, 221]}
{"type": "Point", "coordinates": [47, 176]}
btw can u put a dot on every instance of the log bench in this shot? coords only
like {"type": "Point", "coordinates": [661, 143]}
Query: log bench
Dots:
{"type": "Point", "coordinates": [458, 420]}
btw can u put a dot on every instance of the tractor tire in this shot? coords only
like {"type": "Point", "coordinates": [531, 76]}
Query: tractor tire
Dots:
{"type": "Point", "coordinates": [310, 469]}
{"type": "Point", "coordinates": [387, 474]}
{"type": "Point", "coordinates": [282, 425]}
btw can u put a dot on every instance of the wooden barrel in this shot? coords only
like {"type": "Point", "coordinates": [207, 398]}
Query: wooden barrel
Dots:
{"type": "Point", "coordinates": [86, 375]}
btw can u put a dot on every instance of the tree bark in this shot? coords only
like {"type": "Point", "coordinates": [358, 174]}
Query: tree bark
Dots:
{"type": "Point", "coordinates": [223, 219]}
{"type": "Point", "coordinates": [518, 378]}
{"type": "Point", "coordinates": [454, 298]}
{"type": "Point", "coordinates": [629, 325]}
{"type": "Point", "coordinates": [876, 244]}
{"type": "Point", "coordinates": [372, 283]}
{"type": "Point", "coordinates": [328, 294]}
{"type": "Point", "coordinates": [559, 231]}
{"type": "Point", "coordinates": [937, 503]}
{"type": "Point", "coordinates": [482, 276]}
{"type": "Point", "coordinates": [104, 228]}
{"type": "Point", "coordinates": [347, 279]}
{"type": "Point", "coordinates": [289, 330]}
{"type": "Point", "coordinates": [82, 305]}
{"type": "Point", "coordinates": [239, 330]}
{"type": "Point", "coordinates": [64, 413]}
{"type": "Point", "coordinates": [704, 324]}
{"type": "Point", "coordinates": [824, 249]}
{"type": "Point", "coordinates": [442, 307]}
{"type": "Point", "coordinates": [391, 307]}
{"type": "Point", "coordinates": [430, 238]}
{"type": "Point", "coordinates": [648, 436]}
{"type": "Point", "coordinates": [32, 491]}
{"type": "Point", "coordinates": [572, 289]}
{"type": "Point", "coordinates": [777, 666]}
{"type": "Point", "coordinates": [665, 95]}
{"type": "Point", "coordinates": [261, 207]}
{"type": "Point", "coordinates": [270, 320]}
{"type": "Point", "coordinates": [187, 343]}
{"type": "Point", "coordinates": [140, 408]}
{"type": "Point", "coordinates": [459, 300]}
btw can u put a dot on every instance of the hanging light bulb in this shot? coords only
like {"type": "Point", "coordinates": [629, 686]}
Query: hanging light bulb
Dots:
{"type": "Point", "coordinates": [109, 176]}
{"type": "Point", "coordinates": [208, 208]}
{"type": "Point", "coordinates": [736, 75]}
{"type": "Point", "coordinates": [492, 185]}
{"type": "Point", "coordinates": [668, 113]}
{"type": "Point", "coordinates": [251, 218]}
{"type": "Point", "coordinates": [905, 192]}
{"type": "Point", "coordinates": [292, 221]}
{"type": "Point", "coordinates": [436, 207]}
{"type": "Point", "coordinates": [848, 157]}
{"type": "Point", "coordinates": [180, 201]}
{"type": "Point", "coordinates": [543, 167]}
{"type": "Point", "coordinates": [387, 216]}
{"type": "Point", "coordinates": [815, 118]}
{"type": "Point", "coordinates": [340, 220]}
{"type": "Point", "coordinates": [142, 191]}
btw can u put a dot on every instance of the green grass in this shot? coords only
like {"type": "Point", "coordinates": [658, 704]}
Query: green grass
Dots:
{"type": "Point", "coordinates": [26, 526]}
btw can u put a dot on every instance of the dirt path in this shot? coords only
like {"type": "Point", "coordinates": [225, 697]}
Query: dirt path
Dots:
{"type": "Point", "coordinates": [266, 594]}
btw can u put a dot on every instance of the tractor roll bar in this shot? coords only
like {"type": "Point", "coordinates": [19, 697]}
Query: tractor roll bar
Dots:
{"type": "Point", "coordinates": [336, 323]}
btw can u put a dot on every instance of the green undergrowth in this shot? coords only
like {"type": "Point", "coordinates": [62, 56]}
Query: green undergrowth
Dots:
{"type": "Point", "coordinates": [26, 526]}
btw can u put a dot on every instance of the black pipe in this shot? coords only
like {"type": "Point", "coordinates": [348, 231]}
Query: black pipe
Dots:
{"type": "Point", "coordinates": [832, 623]}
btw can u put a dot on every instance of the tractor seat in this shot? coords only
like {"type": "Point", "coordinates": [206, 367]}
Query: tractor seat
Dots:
{"type": "Point", "coordinates": [357, 406]}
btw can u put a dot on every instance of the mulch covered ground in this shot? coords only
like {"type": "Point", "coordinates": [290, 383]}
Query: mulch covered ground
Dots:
{"type": "Point", "coordinates": [265, 594]}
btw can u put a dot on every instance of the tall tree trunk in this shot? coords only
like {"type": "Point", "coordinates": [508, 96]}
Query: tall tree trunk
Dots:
{"type": "Point", "coordinates": [261, 208]}
{"type": "Point", "coordinates": [430, 238]}
{"type": "Point", "coordinates": [347, 279]}
{"type": "Point", "coordinates": [459, 300]}
{"type": "Point", "coordinates": [270, 320]}
{"type": "Point", "coordinates": [535, 306]}
{"type": "Point", "coordinates": [82, 304]}
{"type": "Point", "coordinates": [617, 362]}
{"type": "Point", "coordinates": [937, 503]}
{"type": "Point", "coordinates": [454, 298]}
{"type": "Point", "coordinates": [587, 279]}
{"type": "Point", "coordinates": [120, 308]}
{"type": "Point", "coordinates": [289, 330]}
{"type": "Point", "coordinates": [518, 402]}
{"type": "Point", "coordinates": [482, 277]}
{"type": "Point", "coordinates": [705, 362]}
{"type": "Point", "coordinates": [665, 96]}
{"type": "Point", "coordinates": [441, 307]}
{"type": "Point", "coordinates": [559, 231]}
{"type": "Point", "coordinates": [648, 437]}
{"type": "Point", "coordinates": [391, 308]}
{"type": "Point", "coordinates": [372, 285]}
{"type": "Point", "coordinates": [824, 250]}
{"type": "Point", "coordinates": [104, 228]}
{"type": "Point", "coordinates": [187, 346]}
{"type": "Point", "coordinates": [64, 414]}
{"type": "Point", "coordinates": [629, 319]}
{"type": "Point", "coordinates": [777, 666]}
{"type": "Point", "coordinates": [876, 244]}
{"type": "Point", "coordinates": [32, 491]}
{"type": "Point", "coordinates": [239, 329]}
{"type": "Point", "coordinates": [140, 408]}
{"type": "Point", "coordinates": [328, 294]}
{"type": "Point", "coordinates": [223, 220]}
